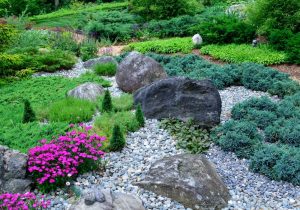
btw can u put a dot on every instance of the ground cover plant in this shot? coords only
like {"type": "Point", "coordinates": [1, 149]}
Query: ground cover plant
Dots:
{"type": "Point", "coordinates": [105, 69]}
{"type": "Point", "coordinates": [167, 46]}
{"type": "Point", "coordinates": [41, 92]}
{"type": "Point", "coordinates": [233, 53]}
{"type": "Point", "coordinates": [188, 135]}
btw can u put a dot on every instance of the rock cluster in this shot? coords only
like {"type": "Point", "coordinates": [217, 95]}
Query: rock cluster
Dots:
{"type": "Point", "coordinates": [13, 171]}
{"type": "Point", "coordinates": [104, 199]}
{"type": "Point", "coordinates": [181, 98]}
{"type": "Point", "coordinates": [137, 70]}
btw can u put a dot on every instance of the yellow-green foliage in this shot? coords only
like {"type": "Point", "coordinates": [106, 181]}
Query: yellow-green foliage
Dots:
{"type": "Point", "coordinates": [234, 53]}
{"type": "Point", "coordinates": [9, 63]}
{"type": "Point", "coordinates": [165, 46]}
{"type": "Point", "coordinates": [7, 32]}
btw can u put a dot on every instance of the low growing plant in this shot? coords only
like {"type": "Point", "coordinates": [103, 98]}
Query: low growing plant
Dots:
{"type": "Point", "coordinates": [188, 135]}
{"type": "Point", "coordinates": [54, 163]}
{"type": "Point", "coordinates": [105, 69]}
{"type": "Point", "coordinates": [122, 103]}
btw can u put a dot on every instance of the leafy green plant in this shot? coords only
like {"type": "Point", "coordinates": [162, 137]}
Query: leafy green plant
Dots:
{"type": "Point", "coordinates": [105, 69]}
{"type": "Point", "coordinates": [7, 34]}
{"type": "Point", "coordinates": [140, 115]}
{"type": "Point", "coordinates": [188, 135]}
{"type": "Point", "coordinates": [29, 115]}
{"type": "Point", "coordinates": [117, 141]}
{"type": "Point", "coordinates": [293, 49]}
{"type": "Point", "coordinates": [88, 49]}
{"type": "Point", "coordinates": [166, 46]}
{"type": "Point", "coordinates": [107, 102]}
{"type": "Point", "coordinates": [71, 110]}
{"type": "Point", "coordinates": [245, 53]}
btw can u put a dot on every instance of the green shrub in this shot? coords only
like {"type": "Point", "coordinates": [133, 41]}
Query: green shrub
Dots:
{"type": "Point", "coordinates": [105, 69]}
{"type": "Point", "coordinates": [88, 49]}
{"type": "Point", "coordinates": [7, 33]}
{"type": "Point", "coordinates": [9, 64]}
{"type": "Point", "coordinates": [166, 46]}
{"type": "Point", "coordinates": [188, 135]}
{"type": "Point", "coordinates": [240, 137]}
{"type": "Point", "coordinates": [283, 88]}
{"type": "Point", "coordinates": [287, 168]}
{"type": "Point", "coordinates": [245, 53]}
{"type": "Point", "coordinates": [274, 14]}
{"type": "Point", "coordinates": [285, 131]}
{"type": "Point", "coordinates": [279, 38]}
{"type": "Point", "coordinates": [293, 49]}
{"type": "Point", "coordinates": [63, 41]}
{"type": "Point", "coordinates": [113, 25]}
{"type": "Point", "coordinates": [32, 38]}
{"type": "Point", "coordinates": [156, 9]}
{"type": "Point", "coordinates": [264, 160]}
{"type": "Point", "coordinates": [107, 102]}
{"type": "Point", "coordinates": [117, 141]}
{"type": "Point", "coordinates": [224, 29]}
{"type": "Point", "coordinates": [140, 115]}
{"type": "Point", "coordinates": [28, 115]}
{"type": "Point", "coordinates": [126, 120]}
{"type": "Point", "coordinates": [71, 110]}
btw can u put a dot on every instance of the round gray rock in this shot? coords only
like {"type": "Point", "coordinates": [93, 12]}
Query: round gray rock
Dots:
{"type": "Point", "coordinates": [197, 39]}
{"type": "Point", "coordinates": [138, 70]}
{"type": "Point", "coordinates": [88, 91]}
{"type": "Point", "coordinates": [181, 98]}
{"type": "Point", "coordinates": [189, 179]}
{"type": "Point", "coordinates": [101, 60]}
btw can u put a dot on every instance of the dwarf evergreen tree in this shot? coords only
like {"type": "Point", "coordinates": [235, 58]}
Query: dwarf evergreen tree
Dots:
{"type": "Point", "coordinates": [107, 102]}
{"type": "Point", "coordinates": [117, 141]}
{"type": "Point", "coordinates": [29, 115]}
{"type": "Point", "coordinates": [139, 115]}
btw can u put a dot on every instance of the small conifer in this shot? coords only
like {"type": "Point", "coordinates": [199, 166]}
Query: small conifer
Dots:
{"type": "Point", "coordinates": [29, 115]}
{"type": "Point", "coordinates": [107, 102]}
{"type": "Point", "coordinates": [140, 115]}
{"type": "Point", "coordinates": [117, 141]}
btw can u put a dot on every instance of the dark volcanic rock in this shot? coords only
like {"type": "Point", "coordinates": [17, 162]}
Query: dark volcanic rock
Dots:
{"type": "Point", "coordinates": [183, 99]}
{"type": "Point", "coordinates": [188, 179]}
{"type": "Point", "coordinates": [138, 70]}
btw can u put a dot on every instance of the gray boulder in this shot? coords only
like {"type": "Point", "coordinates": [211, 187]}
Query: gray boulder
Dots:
{"type": "Point", "coordinates": [127, 202]}
{"type": "Point", "coordinates": [88, 91]}
{"type": "Point", "coordinates": [101, 60]}
{"type": "Point", "coordinates": [183, 99]}
{"type": "Point", "coordinates": [188, 179]}
{"type": "Point", "coordinates": [17, 185]}
{"type": "Point", "coordinates": [138, 70]}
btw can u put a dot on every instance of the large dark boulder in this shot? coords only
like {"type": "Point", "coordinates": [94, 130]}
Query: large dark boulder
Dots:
{"type": "Point", "coordinates": [189, 179]}
{"type": "Point", "coordinates": [183, 99]}
{"type": "Point", "coordinates": [138, 70]}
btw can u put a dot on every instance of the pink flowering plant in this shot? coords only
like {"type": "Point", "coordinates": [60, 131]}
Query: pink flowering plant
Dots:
{"type": "Point", "coordinates": [56, 162]}
{"type": "Point", "coordinates": [22, 201]}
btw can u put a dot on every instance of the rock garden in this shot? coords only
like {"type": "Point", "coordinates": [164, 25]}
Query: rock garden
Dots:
{"type": "Point", "coordinates": [186, 115]}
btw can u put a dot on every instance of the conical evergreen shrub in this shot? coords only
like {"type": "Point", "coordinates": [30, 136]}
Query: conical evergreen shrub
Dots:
{"type": "Point", "coordinates": [29, 115]}
{"type": "Point", "coordinates": [117, 141]}
{"type": "Point", "coordinates": [107, 102]}
{"type": "Point", "coordinates": [140, 115]}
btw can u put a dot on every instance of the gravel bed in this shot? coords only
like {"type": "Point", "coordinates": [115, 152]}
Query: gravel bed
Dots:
{"type": "Point", "coordinates": [248, 190]}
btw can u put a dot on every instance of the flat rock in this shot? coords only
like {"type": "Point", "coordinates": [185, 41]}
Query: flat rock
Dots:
{"type": "Point", "coordinates": [138, 70]}
{"type": "Point", "coordinates": [181, 98]}
{"type": "Point", "coordinates": [127, 202]}
{"type": "Point", "coordinates": [17, 185]}
{"type": "Point", "coordinates": [189, 179]}
{"type": "Point", "coordinates": [87, 91]}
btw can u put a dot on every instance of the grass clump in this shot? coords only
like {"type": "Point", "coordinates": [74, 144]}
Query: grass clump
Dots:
{"type": "Point", "coordinates": [234, 53]}
{"type": "Point", "coordinates": [71, 110]}
{"type": "Point", "coordinates": [122, 103]}
{"type": "Point", "coordinates": [105, 69]}
{"type": "Point", "coordinates": [165, 46]}
{"type": "Point", "coordinates": [29, 115]}
{"type": "Point", "coordinates": [188, 135]}
{"type": "Point", "coordinates": [117, 141]}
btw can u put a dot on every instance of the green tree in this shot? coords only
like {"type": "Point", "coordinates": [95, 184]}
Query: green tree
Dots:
{"type": "Point", "coordinates": [107, 102]}
{"type": "Point", "coordinates": [28, 115]}
{"type": "Point", "coordinates": [117, 141]}
{"type": "Point", "coordinates": [140, 115]}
